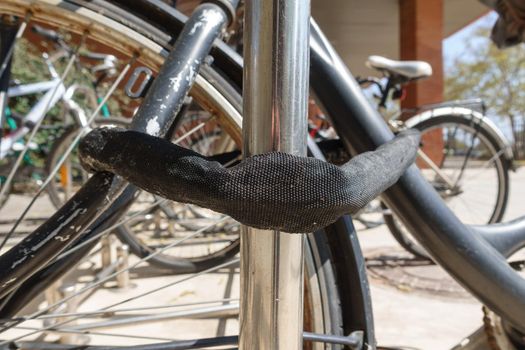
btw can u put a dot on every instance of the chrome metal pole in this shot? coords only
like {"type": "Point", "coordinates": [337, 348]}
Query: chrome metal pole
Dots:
{"type": "Point", "coordinates": [276, 51]}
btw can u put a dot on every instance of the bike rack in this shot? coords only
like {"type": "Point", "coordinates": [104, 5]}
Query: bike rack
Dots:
{"type": "Point", "coordinates": [123, 279]}
{"type": "Point", "coordinates": [120, 263]}
{"type": "Point", "coordinates": [64, 290]}
{"type": "Point", "coordinates": [105, 251]}
{"type": "Point", "coordinates": [58, 291]}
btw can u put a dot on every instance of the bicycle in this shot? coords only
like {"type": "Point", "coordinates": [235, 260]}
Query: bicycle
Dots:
{"type": "Point", "coordinates": [161, 221]}
{"type": "Point", "coordinates": [70, 176]}
{"type": "Point", "coordinates": [34, 157]}
{"type": "Point", "coordinates": [26, 295]}
{"type": "Point", "coordinates": [459, 146]}
{"type": "Point", "coordinates": [71, 118]}
{"type": "Point", "coordinates": [336, 255]}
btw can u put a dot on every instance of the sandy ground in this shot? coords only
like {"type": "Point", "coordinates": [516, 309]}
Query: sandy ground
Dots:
{"type": "Point", "coordinates": [430, 318]}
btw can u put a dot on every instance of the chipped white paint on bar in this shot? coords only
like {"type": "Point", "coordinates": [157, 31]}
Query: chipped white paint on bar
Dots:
{"type": "Point", "coordinates": [195, 27]}
{"type": "Point", "coordinates": [188, 72]}
{"type": "Point", "coordinates": [211, 17]}
{"type": "Point", "coordinates": [79, 211]}
{"type": "Point", "coordinates": [18, 262]}
{"type": "Point", "coordinates": [175, 82]}
{"type": "Point", "coordinates": [191, 74]}
{"type": "Point", "coordinates": [62, 239]}
{"type": "Point", "coordinates": [153, 127]}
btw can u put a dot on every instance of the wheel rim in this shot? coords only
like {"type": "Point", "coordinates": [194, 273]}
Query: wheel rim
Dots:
{"type": "Point", "coordinates": [473, 196]}
{"type": "Point", "coordinates": [483, 169]}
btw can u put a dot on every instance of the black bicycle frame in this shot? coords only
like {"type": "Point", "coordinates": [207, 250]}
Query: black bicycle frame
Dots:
{"type": "Point", "coordinates": [463, 251]}
{"type": "Point", "coordinates": [76, 217]}
{"type": "Point", "coordinates": [469, 258]}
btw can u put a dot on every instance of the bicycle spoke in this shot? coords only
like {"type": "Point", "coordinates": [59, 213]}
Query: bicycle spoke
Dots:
{"type": "Point", "coordinates": [467, 157]}
{"type": "Point", "coordinates": [486, 165]}
{"type": "Point", "coordinates": [192, 130]}
{"type": "Point", "coordinates": [212, 269]}
{"type": "Point", "coordinates": [87, 332]}
{"type": "Point", "coordinates": [435, 168]}
{"type": "Point", "coordinates": [217, 311]}
{"type": "Point", "coordinates": [83, 131]}
{"type": "Point", "coordinates": [206, 140]}
{"type": "Point", "coordinates": [114, 312]}
{"type": "Point", "coordinates": [110, 276]}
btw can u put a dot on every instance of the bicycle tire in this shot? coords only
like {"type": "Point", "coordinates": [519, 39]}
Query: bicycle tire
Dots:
{"type": "Point", "coordinates": [401, 234]}
{"type": "Point", "coordinates": [329, 290]}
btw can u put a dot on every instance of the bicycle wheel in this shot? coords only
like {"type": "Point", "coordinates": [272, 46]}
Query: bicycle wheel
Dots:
{"type": "Point", "coordinates": [168, 221]}
{"type": "Point", "coordinates": [466, 165]}
{"type": "Point", "coordinates": [114, 29]}
{"type": "Point", "coordinates": [155, 226]}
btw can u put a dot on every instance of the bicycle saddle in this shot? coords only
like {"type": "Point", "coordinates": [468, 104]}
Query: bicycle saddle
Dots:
{"type": "Point", "coordinates": [267, 191]}
{"type": "Point", "coordinates": [410, 70]}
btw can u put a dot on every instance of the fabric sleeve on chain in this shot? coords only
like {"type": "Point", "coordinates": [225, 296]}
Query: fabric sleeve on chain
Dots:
{"type": "Point", "coordinates": [268, 191]}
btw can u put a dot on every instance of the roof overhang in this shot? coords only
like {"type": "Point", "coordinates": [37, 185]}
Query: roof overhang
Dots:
{"type": "Point", "coordinates": [359, 29]}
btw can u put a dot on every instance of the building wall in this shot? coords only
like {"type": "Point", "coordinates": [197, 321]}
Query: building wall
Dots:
{"type": "Point", "coordinates": [358, 29]}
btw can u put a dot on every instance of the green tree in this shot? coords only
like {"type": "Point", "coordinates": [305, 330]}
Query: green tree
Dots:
{"type": "Point", "coordinates": [496, 76]}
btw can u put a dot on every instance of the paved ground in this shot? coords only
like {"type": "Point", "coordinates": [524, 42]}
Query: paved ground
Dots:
{"type": "Point", "coordinates": [426, 319]}
{"type": "Point", "coordinates": [415, 305]}
{"type": "Point", "coordinates": [409, 316]}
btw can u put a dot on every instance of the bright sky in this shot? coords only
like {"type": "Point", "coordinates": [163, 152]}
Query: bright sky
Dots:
{"type": "Point", "coordinates": [454, 46]}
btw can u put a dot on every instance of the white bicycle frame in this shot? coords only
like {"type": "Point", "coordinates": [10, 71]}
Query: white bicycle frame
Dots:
{"type": "Point", "coordinates": [55, 91]}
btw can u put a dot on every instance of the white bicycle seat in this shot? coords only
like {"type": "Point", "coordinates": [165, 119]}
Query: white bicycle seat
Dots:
{"type": "Point", "coordinates": [409, 69]}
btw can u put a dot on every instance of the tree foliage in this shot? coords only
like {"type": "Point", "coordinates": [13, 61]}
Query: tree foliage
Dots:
{"type": "Point", "coordinates": [496, 76]}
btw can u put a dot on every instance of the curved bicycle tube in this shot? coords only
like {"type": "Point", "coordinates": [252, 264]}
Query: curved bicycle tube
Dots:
{"type": "Point", "coordinates": [469, 258]}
